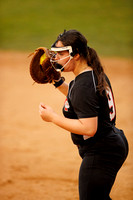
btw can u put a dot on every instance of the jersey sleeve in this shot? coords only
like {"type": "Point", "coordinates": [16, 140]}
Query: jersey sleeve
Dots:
{"type": "Point", "coordinates": [85, 102]}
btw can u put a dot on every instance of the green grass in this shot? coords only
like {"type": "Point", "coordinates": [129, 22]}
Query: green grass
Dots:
{"type": "Point", "coordinates": [28, 24]}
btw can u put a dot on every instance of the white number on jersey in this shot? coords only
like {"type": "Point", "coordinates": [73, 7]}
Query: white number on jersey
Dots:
{"type": "Point", "coordinates": [111, 104]}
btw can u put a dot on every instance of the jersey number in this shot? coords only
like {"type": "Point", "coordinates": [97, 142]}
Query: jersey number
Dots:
{"type": "Point", "coordinates": [111, 104]}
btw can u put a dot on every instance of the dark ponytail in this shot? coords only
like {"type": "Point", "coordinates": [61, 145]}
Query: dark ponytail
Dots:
{"type": "Point", "coordinates": [94, 62]}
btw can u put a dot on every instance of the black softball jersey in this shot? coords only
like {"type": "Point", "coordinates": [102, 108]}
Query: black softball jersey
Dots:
{"type": "Point", "coordinates": [84, 101]}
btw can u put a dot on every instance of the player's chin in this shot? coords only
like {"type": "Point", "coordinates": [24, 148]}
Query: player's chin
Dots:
{"type": "Point", "coordinates": [65, 69]}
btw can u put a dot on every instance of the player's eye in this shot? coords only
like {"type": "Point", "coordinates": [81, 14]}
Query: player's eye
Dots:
{"type": "Point", "coordinates": [60, 53]}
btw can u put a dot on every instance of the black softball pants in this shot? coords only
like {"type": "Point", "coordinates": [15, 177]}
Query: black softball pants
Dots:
{"type": "Point", "coordinates": [100, 164]}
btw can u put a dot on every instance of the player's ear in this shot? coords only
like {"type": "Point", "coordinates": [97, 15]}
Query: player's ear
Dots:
{"type": "Point", "coordinates": [76, 56]}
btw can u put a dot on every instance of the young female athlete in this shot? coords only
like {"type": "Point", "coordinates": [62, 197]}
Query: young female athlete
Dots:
{"type": "Point", "coordinates": [89, 114]}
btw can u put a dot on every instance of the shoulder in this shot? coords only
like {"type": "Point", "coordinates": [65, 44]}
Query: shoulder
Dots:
{"type": "Point", "coordinates": [86, 80]}
{"type": "Point", "coordinates": [83, 88]}
{"type": "Point", "coordinates": [107, 80]}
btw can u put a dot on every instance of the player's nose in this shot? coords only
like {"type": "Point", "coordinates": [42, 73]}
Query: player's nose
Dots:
{"type": "Point", "coordinates": [56, 56]}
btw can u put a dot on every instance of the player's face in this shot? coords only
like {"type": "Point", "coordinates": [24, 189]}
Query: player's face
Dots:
{"type": "Point", "coordinates": [63, 57]}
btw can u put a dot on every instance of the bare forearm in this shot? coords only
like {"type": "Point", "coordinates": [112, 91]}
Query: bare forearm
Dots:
{"type": "Point", "coordinates": [73, 125]}
{"type": "Point", "coordinates": [83, 126]}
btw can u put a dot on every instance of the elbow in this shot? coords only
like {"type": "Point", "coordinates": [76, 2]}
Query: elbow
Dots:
{"type": "Point", "coordinates": [93, 133]}
{"type": "Point", "coordinates": [89, 126]}
{"type": "Point", "coordinates": [90, 132]}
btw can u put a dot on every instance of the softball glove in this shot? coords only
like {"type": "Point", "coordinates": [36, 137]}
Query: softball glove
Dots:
{"type": "Point", "coordinates": [41, 69]}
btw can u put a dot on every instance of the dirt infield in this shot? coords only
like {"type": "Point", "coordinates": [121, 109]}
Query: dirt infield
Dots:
{"type": "Point", "coordinates": [38, 159]}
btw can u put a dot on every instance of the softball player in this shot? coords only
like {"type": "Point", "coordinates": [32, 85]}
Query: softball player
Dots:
{"type": "Point", "coordinates": [89, 114]}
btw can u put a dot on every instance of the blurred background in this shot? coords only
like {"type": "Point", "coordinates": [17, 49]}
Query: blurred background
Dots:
{"type": "Point", "coordinates": [39, 160]}
{"type": "Point", "coordinates": [27, 24]}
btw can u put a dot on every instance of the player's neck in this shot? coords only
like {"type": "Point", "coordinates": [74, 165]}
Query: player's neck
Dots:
{"type": "Point", "coordinates": [81, 67]}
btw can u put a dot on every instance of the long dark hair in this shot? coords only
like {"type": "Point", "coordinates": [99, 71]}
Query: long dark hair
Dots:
{"type": "Point", "coordinates": [79, 45]}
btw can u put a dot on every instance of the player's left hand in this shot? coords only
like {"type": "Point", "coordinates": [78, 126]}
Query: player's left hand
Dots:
{"type": "Point", "coordinates": [46, 112]}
